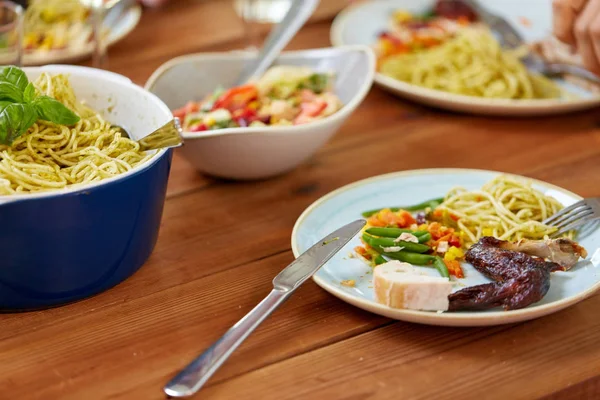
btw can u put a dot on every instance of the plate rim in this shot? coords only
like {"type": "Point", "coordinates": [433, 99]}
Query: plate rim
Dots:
{"type": "Point", "coordinates": [470, 318]}
{"type": "Point", "coordinates": [457, 101]}
{"type": "Point", "coordinates": [66, 55]}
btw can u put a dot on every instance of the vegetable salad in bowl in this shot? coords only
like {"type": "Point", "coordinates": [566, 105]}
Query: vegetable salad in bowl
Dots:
{"type": "Point", "coordinates": [284, 95]}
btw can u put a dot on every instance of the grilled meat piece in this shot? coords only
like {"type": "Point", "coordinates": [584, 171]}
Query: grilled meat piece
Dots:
{"type": "Point", "coordinates": [490, 258]}
{"type": "Point", "coordinates": [561, 251]}
{"type": "Point", "coordinates": [519, 279]}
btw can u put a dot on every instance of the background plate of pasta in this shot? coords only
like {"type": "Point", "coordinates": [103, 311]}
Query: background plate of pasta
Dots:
{"type": "Point", "coordinates": [443, 56]}
{"type": "Point", "coordinates": [431, 255]}
{"type": "Point", "coordinates": [59, 31]}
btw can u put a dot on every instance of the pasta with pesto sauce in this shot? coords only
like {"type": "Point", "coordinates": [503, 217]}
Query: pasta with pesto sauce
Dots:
{"type": "Point", "coordinates": [505, 208]}
{"type": "Point", "coordinates": [472, 63]}
{"type": "Point", "coordinates": [50, 156]}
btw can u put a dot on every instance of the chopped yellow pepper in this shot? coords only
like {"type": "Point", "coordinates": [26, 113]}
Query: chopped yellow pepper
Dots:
{"type": "Point", "coordinates": [453, 253]}
{"type": "Point", "coordinates": [402, 16]}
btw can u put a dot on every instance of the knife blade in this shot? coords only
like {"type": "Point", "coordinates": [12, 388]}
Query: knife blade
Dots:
{"type": "Point", "coordinates": [196, 374]}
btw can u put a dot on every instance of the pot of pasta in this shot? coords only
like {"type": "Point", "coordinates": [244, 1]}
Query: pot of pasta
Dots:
{"type": "Point", "coordinates": [80, 205]}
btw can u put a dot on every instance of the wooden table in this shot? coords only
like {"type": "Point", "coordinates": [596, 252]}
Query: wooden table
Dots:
{"type": "Point", "coordinates": [127, 342]}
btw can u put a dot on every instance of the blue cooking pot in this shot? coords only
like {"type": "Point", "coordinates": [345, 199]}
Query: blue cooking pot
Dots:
{"type": "Point", "coordinates": [65, 245]}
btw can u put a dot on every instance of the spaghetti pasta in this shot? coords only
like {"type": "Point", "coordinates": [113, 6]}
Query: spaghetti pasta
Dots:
{"type": "Point", "coordinates": [505, 208]}
{"type": "Point", "coordinates": [50, 156]}
{"type": "Point", "coordinates": [471, 63]}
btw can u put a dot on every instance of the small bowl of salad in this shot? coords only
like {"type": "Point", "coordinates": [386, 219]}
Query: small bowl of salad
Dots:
{"type": "Point", "coordinates": [285, 95]}
{"type": "Point", "coordinates": [271, 124]}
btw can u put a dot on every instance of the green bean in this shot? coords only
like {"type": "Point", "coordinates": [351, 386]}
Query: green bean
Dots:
{"type": "Point", "coordinates": [421, 259]}
{"type": "Point", "coordinates": [411, 258]}
{"type": "Point", "coordinates": [433, 203]}
{"type": "Point", "coordinates": [423, 236]}
{"type": "Point", "coordinates": [389, 242]}
{"type": "Point", "coordinates": [438, 263]}
{"type": "Point", "coordinates": [380, 260]}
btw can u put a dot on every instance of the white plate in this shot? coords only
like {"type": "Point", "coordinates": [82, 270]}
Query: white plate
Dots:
{"type": "Point", "coordinates": [362, 23]}
{"type": "Point", "coordinates": [120, 26]}
{"type": "Point", "coordinates": [411, 187]}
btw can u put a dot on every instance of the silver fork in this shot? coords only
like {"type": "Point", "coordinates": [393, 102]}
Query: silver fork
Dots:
{"type": "Point", "coordinates": [575, 215]}
{"type": "Point", "coordinates": [168, 135]}
{"type": "Point", "coordinates": [511, 39]}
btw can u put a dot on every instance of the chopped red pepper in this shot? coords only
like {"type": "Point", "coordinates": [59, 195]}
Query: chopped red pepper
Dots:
{"type": "Point", "coordinates": [236, 98]}
{"type": "Point", "coordinates": [198, 128]}
{"type": "Point", "coordinates": [245, 116]}
{"type": "Point", "coordinates": [454, 241]}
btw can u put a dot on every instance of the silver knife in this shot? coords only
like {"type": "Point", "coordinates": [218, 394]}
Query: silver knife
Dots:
{"type": "Point", "coordinates": [194, 376]}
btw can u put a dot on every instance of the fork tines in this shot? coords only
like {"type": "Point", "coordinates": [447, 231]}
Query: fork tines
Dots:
{"type": "Point", "coordinates": [574, 215]}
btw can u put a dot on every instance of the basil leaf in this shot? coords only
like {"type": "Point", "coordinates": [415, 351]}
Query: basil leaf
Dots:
{"type": "Point", "coordinates": [29, 94]}
{"type": "Point", "coordinates": [52, 110]}
{"type": "Point", "coordinates": [15, 119]}
{"type": "Point", "coordinates": [10, 92]}
{"type": "Point", "coordinates": [14, 75]}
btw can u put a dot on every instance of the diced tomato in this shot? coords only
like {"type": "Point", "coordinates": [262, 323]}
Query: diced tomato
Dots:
{"type": "Point", "coordinates": [400, 219]}
{"type": "Point", "coordinates": [428, 41]}
{"type": "Point", "coordinates": [309, 111]}
{"type": "Point", "coordinates": [190, 107]}
{"type": "Point", "coordinates": [198, 128]}
{"type": "Point", "coordinates": [307, 96]}
{"type": "Point", "coordinates": [236, 98]}
{"type": "Point", "coordinates": [245, 116]}
{"type": "Point", "coordinates": [454, 241]}
{"type": "Point", "coordinates": [387, 36]}
{"type": "Point", "coordinates": [360, 250]}
{"type": "Point", "coordinates": [314, 108]}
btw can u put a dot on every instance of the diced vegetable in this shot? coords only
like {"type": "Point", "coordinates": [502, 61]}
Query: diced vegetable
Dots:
{"type": "Point", "coordinates": [285, 95]}
{"type": "Point", "coordinates": [316, 83]}
{"type": "Point", "coordinates": [236, 98]}
{"type": "Point", "coordinates": [391, 243]}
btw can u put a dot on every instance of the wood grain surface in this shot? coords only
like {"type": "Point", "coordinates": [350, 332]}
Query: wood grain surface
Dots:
{"type": "Point", "coordinates": [127, 342]}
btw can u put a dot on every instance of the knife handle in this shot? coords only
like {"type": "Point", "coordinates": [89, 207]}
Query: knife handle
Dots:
{"type": "Point", "coordinates": [194, 376]}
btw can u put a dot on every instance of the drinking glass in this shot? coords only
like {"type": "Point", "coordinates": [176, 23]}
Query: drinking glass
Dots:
{"type": "Point", "coordinates": [98, 10]}
{"type": "Point", "coordinates": [255, 13]}
{"type": "Point", "coordinates": [11, 33]}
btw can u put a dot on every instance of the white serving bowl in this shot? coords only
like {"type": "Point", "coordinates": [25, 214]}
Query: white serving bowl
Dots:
{"type": "Point", "coordinates": [260, 152]}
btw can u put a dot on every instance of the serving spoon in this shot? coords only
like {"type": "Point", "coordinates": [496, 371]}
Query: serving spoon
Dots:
{"type": "Point", "coordinates": [299, 12]}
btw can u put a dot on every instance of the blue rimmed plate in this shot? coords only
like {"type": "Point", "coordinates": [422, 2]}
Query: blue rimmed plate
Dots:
{"type": "Point", "coordinates": [410, 187]}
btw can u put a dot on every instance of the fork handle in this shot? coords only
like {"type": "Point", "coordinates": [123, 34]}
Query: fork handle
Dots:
{"type": "Point", "coordinates": [573, 70]}
{"type": "Point", "coordinates": [299, 12]}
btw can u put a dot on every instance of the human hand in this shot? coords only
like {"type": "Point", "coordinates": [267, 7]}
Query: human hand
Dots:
{"type": "Point", "coordinates": [577, 22]}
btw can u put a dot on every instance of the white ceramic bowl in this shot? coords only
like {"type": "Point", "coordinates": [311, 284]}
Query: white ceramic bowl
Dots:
{"type": "Point", "coordinates": [260, 152]}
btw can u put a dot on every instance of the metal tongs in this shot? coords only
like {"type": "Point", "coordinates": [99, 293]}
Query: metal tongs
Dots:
{"type": "Point", "coordinates": [511, 39]}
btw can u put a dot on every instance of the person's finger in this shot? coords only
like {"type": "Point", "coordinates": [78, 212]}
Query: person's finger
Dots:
{"type": "Point", "coordinates": [583, 35]}
{"type": "Point", "coordinates": [153, 3]}
{"type": "Point", "coordinates": [564, 13]}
